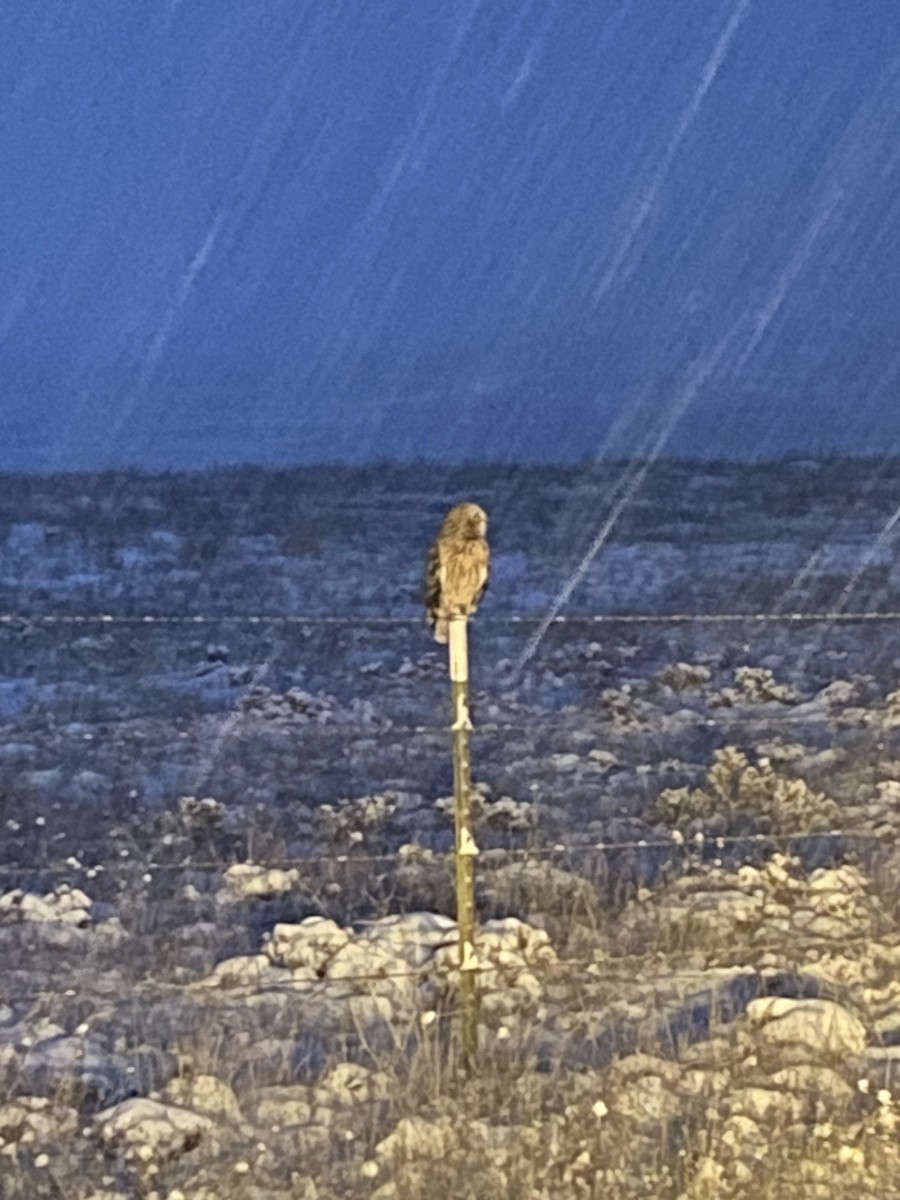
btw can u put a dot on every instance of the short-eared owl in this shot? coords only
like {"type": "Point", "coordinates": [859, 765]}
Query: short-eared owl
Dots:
{"type": "Point", "coordinates": [459, 563]}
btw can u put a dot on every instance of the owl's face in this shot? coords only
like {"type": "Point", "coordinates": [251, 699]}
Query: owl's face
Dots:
{"type": "Point", "coordinates": [466, 520]}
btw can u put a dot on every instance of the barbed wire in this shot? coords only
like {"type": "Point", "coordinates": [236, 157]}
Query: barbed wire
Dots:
{"type": "Point", "coordinates": [603, 967]}
{"type": "Point", "coordinates": [696, 842]}
{"type": "Point", "coordinates": [683, 618]}
{"type": "Point", "coordinates": [775, 714]}
{"type": "Point", "coordinates": [612, 967]}
{"type": "Point", "coordinates": [550, 721]}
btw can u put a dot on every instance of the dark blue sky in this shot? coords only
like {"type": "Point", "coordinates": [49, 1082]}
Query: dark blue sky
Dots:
{"type": "Point", "coordinates": [292, 231]}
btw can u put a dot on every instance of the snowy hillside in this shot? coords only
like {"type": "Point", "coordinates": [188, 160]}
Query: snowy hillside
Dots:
{"type": "Point", "coordinates": [227, 943]}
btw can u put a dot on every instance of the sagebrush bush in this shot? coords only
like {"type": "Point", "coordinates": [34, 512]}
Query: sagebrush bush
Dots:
{"type": "Point", "coordinates": [736, 787]}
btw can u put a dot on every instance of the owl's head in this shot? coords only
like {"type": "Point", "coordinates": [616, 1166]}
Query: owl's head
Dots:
{"type": "Point", "coordinates": [466, 520]}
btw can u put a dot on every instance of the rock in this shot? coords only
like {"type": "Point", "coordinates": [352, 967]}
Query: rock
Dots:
{"type": "Point", "coordinates": [839, 693]}
{"type": "Point", "coordinates": [630, 1067]}
{"type": "Point", "coordinates": [821, 926]}
{"type": "Point", "coordinates": [64, 904]}
{"type": "Point", "coordinates": [510, 941]}
{"type": "Point", "coordinates": [766, 1105]}
{"type": "Point", "coordinates": [200, 813]}
{"type": "Point", "coordinates": [254, 971]}
{"type": "Point", "coordinates": [759, 686]}
{"type": "Point", "coordinates": [505, 812]}
{"type": "Point", "coordinates": [741, 1137]}
{"type": "Point", "coordinates": [837, 882]}
{"type": "Point", "coordinates": [150, 1131]}
{"type": "Point", "coordinates": [706, 1083]}
{"type": "Point", "coordinates": [204, 1094]}
{"type": "Point", "coordinates": [512, 998]}
{"type": "Point", "coordinates": [682, 677]}
{"type": "Point", "coordinates": [820, 1083]}
{"type": "Point", "coordinates": [293, 705]}
{"type": "Point", "coordinates": [371, 969]}
{"type": "Point", "coordinates": [505, 950]}
{"type": "Point", "coordinates": [35, 1120]}
{"type": "Point", "coordinates": [351, 1083]}
{"type": "Point", "coordinates": [803, 1028]}
{"type": "Point", "coordinates": [79, 1068]}
{"type": "Point", "coordinates": [707, 1178]}
{"type": "Point", "coordinates": [412, 938]}
{"type": "Point", "coordinates": [648, 1100]}
{"type": "Point", "coordinates": [604, 759]}
{"type": "Point", "coordinates": [312, 943]}
{"type": "Point", "coordinates": [727, 906]}
{"type": "Point", "coordinates": [417, 1138]}
{"type": "Point", "coordinates": [283, 1106]}
{"type": "Point", "coordinates": [246, 880]}
{"type": "Point", "coordinates": [645, 1089]}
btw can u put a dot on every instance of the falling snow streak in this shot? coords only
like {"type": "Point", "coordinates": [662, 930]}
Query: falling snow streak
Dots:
{"type": "Point", "coordinates": [697, 380]}
{"type": "Point", "coordinates": [231, 722]}
{"type": "Point", "coordinates": [232, 211]}
{"type": "Point", "coordinates": [819, 554]}
{"type": "Point", "coordinates": [650, 198]}
{"type": "Point", "coordinates": [884, 538]}
{"type": "Point", "coordinates": [364, 241]}
{"type": "Point", "coordinates": [314, 231]}
{"type": "Point", "coordinates": [799, 259]}
{"type": "Point", "coordinates": [685, 398]}
{"type": "Point", "coordinates": [183, 289]}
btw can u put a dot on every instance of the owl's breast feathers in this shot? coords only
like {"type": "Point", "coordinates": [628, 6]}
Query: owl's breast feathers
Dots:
{"type": "Point", "coordinates": [463, 573]}
{"type": "Point", "coordinates": [458, 567]}
{"type": "Point", "coordinates": [456, 579]}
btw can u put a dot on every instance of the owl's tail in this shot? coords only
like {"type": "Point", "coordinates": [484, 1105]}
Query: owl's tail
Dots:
{"type": "Point", "coordinates": [441, 630]}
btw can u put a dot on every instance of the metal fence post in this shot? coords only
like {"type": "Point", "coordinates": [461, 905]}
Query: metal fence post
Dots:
{"type": "Point", "coordinates": [466, 849]}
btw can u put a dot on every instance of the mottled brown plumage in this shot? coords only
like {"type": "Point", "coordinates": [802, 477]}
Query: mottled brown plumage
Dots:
{"type": "Point", "coordinates": [458, 567]}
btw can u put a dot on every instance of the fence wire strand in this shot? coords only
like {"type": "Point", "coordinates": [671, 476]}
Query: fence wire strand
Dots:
{"type": "Point", "coordinates": [601, 968]}
{"type": "Point", "coordinates": [554, 723]}
{"type": "Point", "coordinates": [17, 619]}
{"type": "Point", "coordinates": [412, 854]}
{"type": "Point", "coordinates": [598, 969]}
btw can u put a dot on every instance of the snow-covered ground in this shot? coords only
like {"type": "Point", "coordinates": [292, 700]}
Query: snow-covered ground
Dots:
{"type": "Point", "coordinates": [226, 936]}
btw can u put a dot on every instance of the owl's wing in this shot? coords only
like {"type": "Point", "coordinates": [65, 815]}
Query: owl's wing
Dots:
{"type": "Point", "coordinates": [433, 583]}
